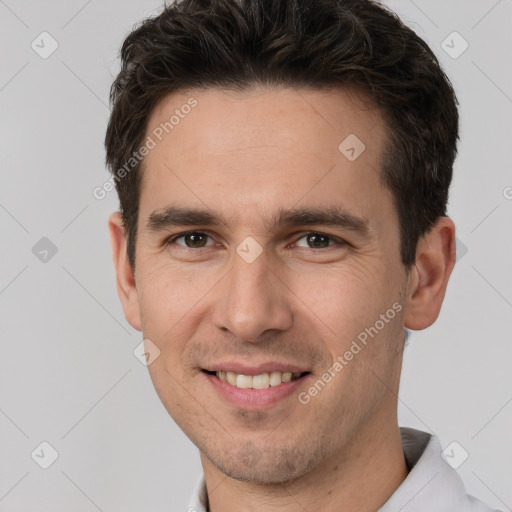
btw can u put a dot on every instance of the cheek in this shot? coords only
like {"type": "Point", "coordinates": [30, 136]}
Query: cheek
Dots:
{"type": "Point", "coordinates": [163, 303]}
{"type": "Point", "coordinates": [168, 384]}
{"type": "Point", "coordinates": [168, 294]}
{"type": "Point", "coordinates": [344, 301]}
{"type": "Point", "coordinates": [174, 304]}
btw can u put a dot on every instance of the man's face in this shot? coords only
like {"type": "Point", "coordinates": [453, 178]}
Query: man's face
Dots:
{"type": "Point", "coordinates": [271, 288]}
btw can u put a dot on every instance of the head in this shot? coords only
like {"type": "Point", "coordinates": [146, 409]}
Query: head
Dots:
{"type": "Point", "coordinates": [289, 207]}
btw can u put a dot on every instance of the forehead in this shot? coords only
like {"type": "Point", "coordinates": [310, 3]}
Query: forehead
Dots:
{"type": "Point", "coordinates": [265, 146]}
{"type": "Point", "coordinates": [224, 120]}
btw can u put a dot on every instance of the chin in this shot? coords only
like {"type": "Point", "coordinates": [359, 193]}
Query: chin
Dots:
{"type": "Point", "coordinates": [264, 465]}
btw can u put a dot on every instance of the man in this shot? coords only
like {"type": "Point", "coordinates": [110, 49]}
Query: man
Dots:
{"type": "Point", "coordinates": [283, 171]}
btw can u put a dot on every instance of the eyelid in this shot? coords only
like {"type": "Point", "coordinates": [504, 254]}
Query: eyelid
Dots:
{"type": "Point", "coordinates": [171, 239]}
{"type": "Point", "coordinates": [300, 235]}
{"type": "Point", "coordinates": [337, 240]}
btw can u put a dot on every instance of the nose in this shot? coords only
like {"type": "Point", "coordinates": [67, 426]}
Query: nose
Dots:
{"type": "Point", "coordinates": [252, 299]}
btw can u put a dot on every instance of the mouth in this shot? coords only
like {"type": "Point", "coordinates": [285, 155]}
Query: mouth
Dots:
{"type": "Point", "coordinates": [261, 381]}
{"type": "Point", "coordinates": [256, 386]}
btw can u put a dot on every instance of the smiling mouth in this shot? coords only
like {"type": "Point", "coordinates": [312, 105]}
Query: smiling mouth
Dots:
{"type": "Point", "coordinates": [262, 381]}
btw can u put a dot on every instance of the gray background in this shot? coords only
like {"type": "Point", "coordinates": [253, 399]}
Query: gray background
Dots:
{"type": "Point", "coordinates": [68, 375]}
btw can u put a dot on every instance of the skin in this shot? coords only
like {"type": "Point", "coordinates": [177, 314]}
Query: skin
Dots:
{"type": "Point", "coordinates": [248, 155]}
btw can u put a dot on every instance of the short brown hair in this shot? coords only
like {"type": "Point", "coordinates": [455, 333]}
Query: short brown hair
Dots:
{"type": "Point", "coordinates": [308, 43]}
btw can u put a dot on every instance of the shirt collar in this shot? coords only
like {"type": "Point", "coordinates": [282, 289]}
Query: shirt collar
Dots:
{"type": "Point", "coordinates": [430, 485]}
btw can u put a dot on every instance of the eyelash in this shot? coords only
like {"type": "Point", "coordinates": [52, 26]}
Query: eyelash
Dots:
{"type": "Point", "coordinates": [340, 242]}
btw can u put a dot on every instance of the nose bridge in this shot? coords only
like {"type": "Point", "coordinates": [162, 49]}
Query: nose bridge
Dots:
{"type": "Point", "coordinates": [253, 299]}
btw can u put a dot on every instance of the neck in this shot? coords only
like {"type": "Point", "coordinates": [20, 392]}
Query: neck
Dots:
{"type": "Point", "coordinates": [360, 477]}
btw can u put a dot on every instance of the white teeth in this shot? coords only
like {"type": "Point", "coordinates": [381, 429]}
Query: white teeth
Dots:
{"type": "Point", "coordinates": [275, 378]}
{"type": "Point", "coordinates": [244, 381]}
{"type": "Point", "coordinates": [262, 381]}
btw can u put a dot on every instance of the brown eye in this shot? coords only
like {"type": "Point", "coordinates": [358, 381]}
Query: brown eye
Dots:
{"type": "Point", "coordinates": [193, 240]}
{"type": "Point", "coordinates": [317, 241]}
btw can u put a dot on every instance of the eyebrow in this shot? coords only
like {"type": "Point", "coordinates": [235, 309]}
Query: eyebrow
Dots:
{"type": "Point", "coordinates": [333, 216]}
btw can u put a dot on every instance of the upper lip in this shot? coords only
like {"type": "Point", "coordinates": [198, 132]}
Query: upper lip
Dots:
{"type": "Point", "coordinates": [252, 369]}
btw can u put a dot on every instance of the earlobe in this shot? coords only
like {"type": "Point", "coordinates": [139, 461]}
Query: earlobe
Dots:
{"type": "Point", "coordinates": [125, 280]}
{"type": "Point", "coordinates": [428, 279]}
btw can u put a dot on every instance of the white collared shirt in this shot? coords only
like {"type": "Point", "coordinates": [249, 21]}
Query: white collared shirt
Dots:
{"type": "Point", "coordinates": [431, 485]}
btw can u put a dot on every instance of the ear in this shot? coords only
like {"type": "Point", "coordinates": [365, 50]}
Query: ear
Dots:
{"type": "Point", "coordinates": [428, 278]}
{"type": "Point", "coordinates": [125, 279]}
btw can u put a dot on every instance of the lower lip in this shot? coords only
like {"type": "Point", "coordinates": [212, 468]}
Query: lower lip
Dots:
{"type": "Point", "coordinates": [255, 398]}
